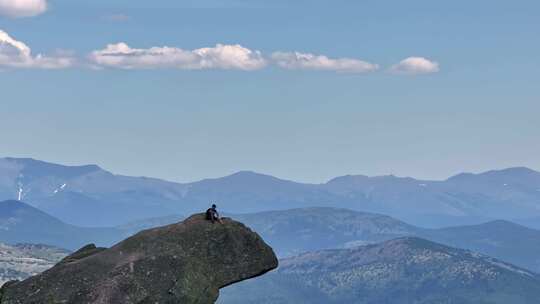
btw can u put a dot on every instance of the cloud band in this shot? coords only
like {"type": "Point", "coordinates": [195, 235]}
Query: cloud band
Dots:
{"type": "Point", "coordinates": [16, 54]}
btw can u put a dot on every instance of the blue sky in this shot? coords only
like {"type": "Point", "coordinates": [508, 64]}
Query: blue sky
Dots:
{"type": "Point", "coordinates": [303, 120]}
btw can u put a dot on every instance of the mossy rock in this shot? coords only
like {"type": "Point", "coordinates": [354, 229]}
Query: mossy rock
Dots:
{"type": "Point", "coordinates": [187, 262]}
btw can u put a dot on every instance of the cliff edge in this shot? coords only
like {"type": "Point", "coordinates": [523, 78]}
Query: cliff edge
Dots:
{"type": "Point", "coordinates": [187, 262]}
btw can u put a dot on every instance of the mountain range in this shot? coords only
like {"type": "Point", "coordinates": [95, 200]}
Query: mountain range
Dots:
{"type": "Point", "coordinates": [353, 239]}
{"type": "Point", "coordinates": [22, 223]}
{"type": "Point", "coordinates": [289, 232]}
{"type": "Point", "coordinates": [91, 196]}
{"type": "Point", "coordinates": [399, 271]}
{"type": "Point", "coordinates": [292, 232]}
{"type": "Point", "coordinates": [533, 222]}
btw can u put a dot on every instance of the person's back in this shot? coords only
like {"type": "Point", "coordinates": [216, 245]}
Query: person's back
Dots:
{"type": "Point", "coordinates": [212, 214]}
{"type": "Point", "coordinates": [209, 214]}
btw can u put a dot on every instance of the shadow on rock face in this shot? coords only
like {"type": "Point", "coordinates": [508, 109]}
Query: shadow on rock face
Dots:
{"type": "Point", "coordinates": [186, 262]}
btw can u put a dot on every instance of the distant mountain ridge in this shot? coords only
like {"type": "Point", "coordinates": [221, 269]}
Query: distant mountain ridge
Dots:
{"type": "Point", "coordinates": [292, 232]}
{"type": "Point", "coordinates": [22, 223]}
{"type": "Point", "coordinates": [533, 222]}
{"type": "Point", "coordinates": [91, 196]}
{"type": "Point", "coordinates": [296, 231]}
{"type": "Point", "coordinates": [86, 195]}
{"type": "Point", "coordinates": [399, 271]}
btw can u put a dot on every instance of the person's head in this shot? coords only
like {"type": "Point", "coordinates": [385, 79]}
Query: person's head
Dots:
{"type": "Point", "coordinates": [214, 206]}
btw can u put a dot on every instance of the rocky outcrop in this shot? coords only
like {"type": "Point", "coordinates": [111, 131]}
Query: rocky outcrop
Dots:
{"type": "Point", "coordinates": [186, 262]}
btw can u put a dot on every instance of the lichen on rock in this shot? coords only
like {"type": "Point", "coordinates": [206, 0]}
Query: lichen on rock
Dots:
{"type": "Point", "coordinates": [187, 262]}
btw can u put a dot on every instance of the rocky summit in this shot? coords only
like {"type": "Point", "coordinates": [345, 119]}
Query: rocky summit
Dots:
{"type": "Point", "coordinates": [187, 262]}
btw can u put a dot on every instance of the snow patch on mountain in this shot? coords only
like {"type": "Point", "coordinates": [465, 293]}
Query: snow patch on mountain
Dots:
{"type": "Point", "coordinates": [60, 188]}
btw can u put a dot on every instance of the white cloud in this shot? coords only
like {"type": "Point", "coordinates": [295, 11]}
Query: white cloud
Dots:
{"type": "Point", "coordinates": [22, 8]}
{"type": "Point", "coordinates": [415, 66]}
{"type": "Point", "coordinates": [226, 57]}
{"type": "Point", "coordinates": [16, 54]}
{"type": "Point", "coordinates": [302, 61]}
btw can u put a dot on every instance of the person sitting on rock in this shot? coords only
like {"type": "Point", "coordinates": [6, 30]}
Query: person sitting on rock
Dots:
{"type": "Point", "coordinates": [213, 215]}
